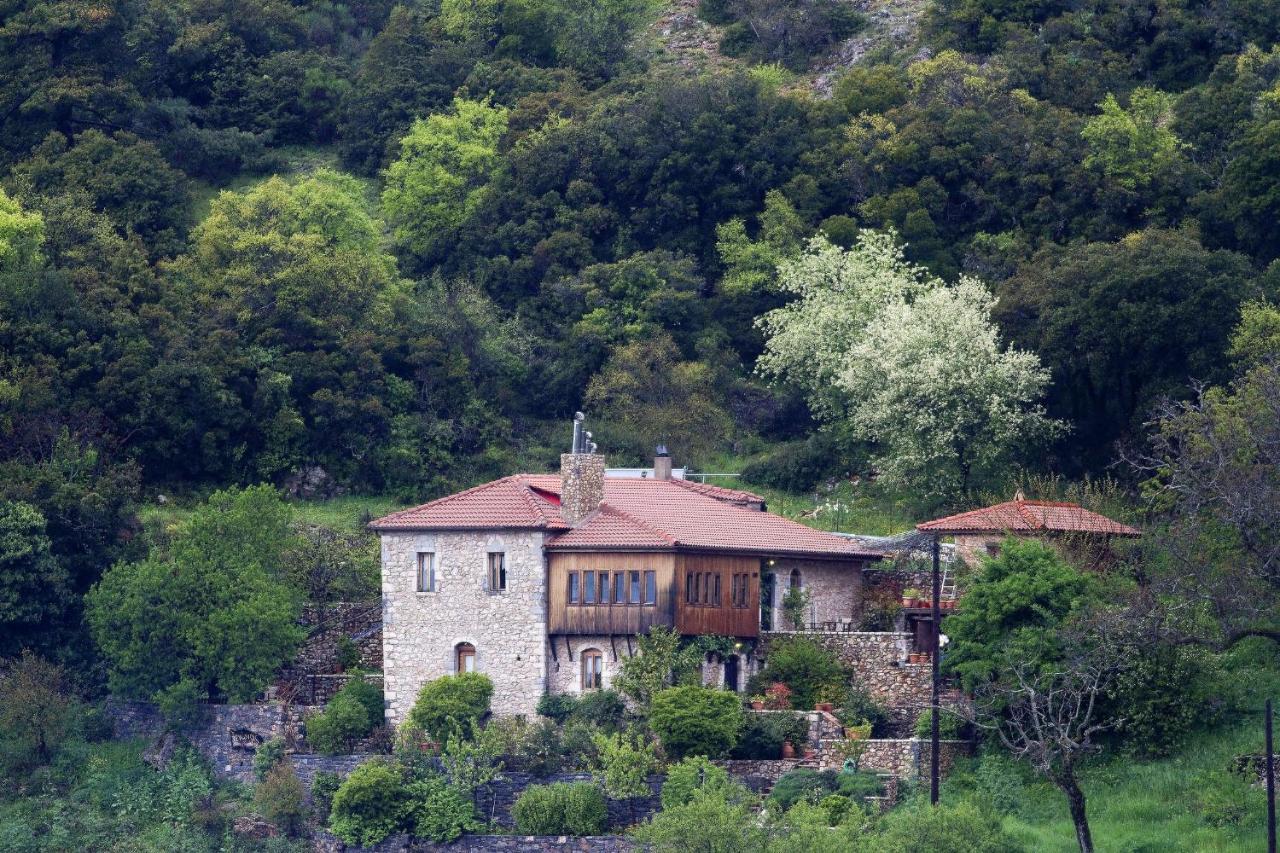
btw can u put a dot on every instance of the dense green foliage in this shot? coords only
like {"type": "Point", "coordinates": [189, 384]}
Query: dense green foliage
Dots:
{"type": "Point", "coordinates": [452, 703]}
{"type": "Point", "coordinates": [208, 615]}
{"type": "Point", "coordinates": [804, 666]}
{"type": "Point", "coordinates": [564, 808]}
{"type": "Point", "coordinates": [692, 720]}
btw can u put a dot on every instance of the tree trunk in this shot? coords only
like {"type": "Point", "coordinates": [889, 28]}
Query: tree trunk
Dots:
{"type": "Point", "coordinates": [1075, 801]}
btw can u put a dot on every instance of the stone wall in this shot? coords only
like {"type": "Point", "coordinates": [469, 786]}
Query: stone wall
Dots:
{"type": "Point", "coordinates": [494, 801]}
{"type": "Point", "coordinates": [564, 667]}
{"type": "Point", "coordinates": [835, 589]}
{"type": "Point", "coordinates": [904, 758]}
{"type": "Point", "coordinates": [326, 843]}
{"type": "Point", "coordinates": [421, 630]}
{"type": "Point", "coordinates": [359, 621]}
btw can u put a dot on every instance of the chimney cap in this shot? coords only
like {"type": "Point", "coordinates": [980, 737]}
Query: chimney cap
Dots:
{"type": "Point", "coordinates": [662, 450]}
{"type": "Point", "coordinates": [579, 417]}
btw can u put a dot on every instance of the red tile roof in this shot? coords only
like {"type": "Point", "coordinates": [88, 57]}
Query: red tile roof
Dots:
{"type": "Point", "coordinates": [1020, 515]}
{"type": "Point", "coordinates": [637, 514]}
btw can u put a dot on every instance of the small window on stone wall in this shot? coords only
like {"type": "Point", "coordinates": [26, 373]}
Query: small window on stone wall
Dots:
{"type": "Point", "coordinates": [426, 572]}
{"type": "Point", "coordinates": [497, 572]}
{"type": "Point", "coordinates": [466, 657]}
{"type": "Point", "coordinates": [592, 669]}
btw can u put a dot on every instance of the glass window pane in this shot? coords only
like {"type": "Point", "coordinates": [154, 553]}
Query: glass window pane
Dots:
{"type": "Point", "coordinates": [573, 587]}
{"type": "Point", "coordinates": [650, 587]}
{"type": "Point", "coordinates": [588, 587]}
{"type": "Point", "coordinates": [620, 588]}
{"type": "Point", "coordinates": [602, 586]}
{"type": "Point", "coordinates": [635, 587]}
{"type": "Point", "coordinates": [715, 590]}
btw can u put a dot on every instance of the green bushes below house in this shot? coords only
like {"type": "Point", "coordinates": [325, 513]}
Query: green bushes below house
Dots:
{"type": "Point", "coordinates": [693, 720]}
{"type": "Point", "coordinates": [281, 799]}
{"type": "Point", "coordinates": [380, 798]}
{"type": "Point", "coordinates": [950, 727]}
{"type": "Point", "coordinates": [763, 735]}
{"type": "Point", "coordinates": [603, 708]}
{"type": "Point", "coordinates": [452, 702]}
{"type": "Point", "coordinates": [351, 715]}
{"type": "Point", "coordinates": [690, 775]}
{"type": "Point", "coordinates": [565, 808]}
{"type": "Point", "coordinates": [804, 785]}
{"type": "Point", "coordinates": [807, 668]}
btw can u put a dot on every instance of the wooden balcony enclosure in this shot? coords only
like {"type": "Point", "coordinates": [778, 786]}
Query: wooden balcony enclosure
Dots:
{"type": "Point", "coordinates": [626, 593]}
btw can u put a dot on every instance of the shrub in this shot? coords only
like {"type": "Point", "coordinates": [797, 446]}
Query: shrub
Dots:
{"type": "Point", "coordinates": [38, 713]}
{"type": "Point", "coordinates": [455, 700]}
{"type": "Point", "coordinates": [1163, 693]}
{"type": "Point", "coordinates": [371, 804]}
{"type": "Point", "coordinates": [778, 697]}
{"type": "Point", "coordinates": [281, 798]}
{"type": "Point", "coordinates": [946, 828]}
{"type": "Point", "coordinates": [715, 820]}
{"type": "Point", "coordinates": [370, 696]}
{"type": "Point", "coordinates": [624, 765]}
{"type": "Point", "coordinates": [859, 706]}
{"type": "Point", "coordinates": [763, 735]}
{"type": "Point", "coordinates": [564, 808]}
{"type": "Point", "coordinates": [802, 784]}
{"type": "Point", "coordinates": [603, 708]}
{"type": "Point", "coordinates": [795, 604]}
{"type": "Point", "coordinates": [347, 653]}
{"type": "Point", "coordinates": [267, 756]}
{"type": "Point", "coordinates": [323, 788]}
{"type": "Point", "coordinates": [796, 466]}
{"type": "Point", "coordinates": [696, 721]}
{"type": "Point", "coordinates": [557, 706]}
{"type": "Point", "coordinates": [804, 666]}
{"type": "Point", "coordinates": [948, 725]}
{"type": "Point", "coordinates": [690, 775]}
{"type": "Point", "coordinates": [337, 728]}
{"type": "Point", "coordinates": [836, 806]}
{"type": "Point", "coordinates": [438, 811]}
{"type": "Point", "coordinates": [858, 785]}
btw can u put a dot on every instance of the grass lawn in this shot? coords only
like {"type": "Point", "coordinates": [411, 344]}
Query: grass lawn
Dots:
{"type": "Point", "coordinates": [1167, 805]}
{"type": "Point", "coordinates": [348, 513]}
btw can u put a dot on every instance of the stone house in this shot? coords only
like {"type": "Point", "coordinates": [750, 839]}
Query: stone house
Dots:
{"type": "Point", "coordinates": [542, 581]}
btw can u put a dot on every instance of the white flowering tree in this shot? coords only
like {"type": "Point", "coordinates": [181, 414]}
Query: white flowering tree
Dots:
{"type": "Point", "coordinates": [906, 362]}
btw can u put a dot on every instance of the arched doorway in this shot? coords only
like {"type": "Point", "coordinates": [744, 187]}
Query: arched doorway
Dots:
{"type": "Point", "coordinates": [731, 668]}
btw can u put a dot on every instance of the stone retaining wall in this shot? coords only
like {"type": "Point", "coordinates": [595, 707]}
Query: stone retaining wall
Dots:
{"type": "Point", "coordinates": [903, 758]}
{"type": "Point", "coordinates": [314, 675]}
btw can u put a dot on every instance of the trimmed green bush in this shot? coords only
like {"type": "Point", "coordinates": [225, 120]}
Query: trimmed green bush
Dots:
{"type": "Point", "coordinates": [370, 696]}
{"type": "Point", "coordinates": [696, 721]}
{"type": "Point", "coordinates": [281, 798]}
{"type": "Point", "coordinates": [804, 666]}
{"type": "Point", "coordinates": [347, 653]}
{"type": "Point", "coordinates": [337, 728]}
{"type": "Point", "coordinates": [563, 808]}
{"type": "Point", "coordinates": [763, 734]}
{"type": "Point", "coordinates": [323, 787]}
{"type": "Point", "coordinates": [603, 708]}
{"type": "Point", "coordinates": [438, 811]}
{"type": "Point", "coordinates": [557, 706]}
{"type": "Point", "coordinates": [371, 804]}
{"type": "Point", "coordinates": [454, 700]}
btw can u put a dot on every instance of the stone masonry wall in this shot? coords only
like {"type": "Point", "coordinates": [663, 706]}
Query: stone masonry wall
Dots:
{"type": "Point", "coordinates": [422, 629]}
{"type": "Point", "coordinates": [904, 758]}
{"type": "Point", "coordinates": [835, 589]}
{"type": "Point", "coordinates": [564, 667]}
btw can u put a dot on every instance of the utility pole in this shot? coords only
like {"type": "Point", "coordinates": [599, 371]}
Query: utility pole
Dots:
{"type": "Point", "coordinates": [934, 746]}
{"type": "Point", "coordinates": [1271, 787]}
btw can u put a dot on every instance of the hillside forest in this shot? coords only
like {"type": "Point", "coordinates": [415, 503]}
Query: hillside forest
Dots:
{"type": "Point", "coordinates": [386, 250]}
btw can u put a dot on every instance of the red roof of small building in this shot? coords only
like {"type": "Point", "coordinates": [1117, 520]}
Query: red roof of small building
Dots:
{"type": "Point", "coordinates": [1023, 516]}
{"type": "Point", "coordinates": [637, 514]}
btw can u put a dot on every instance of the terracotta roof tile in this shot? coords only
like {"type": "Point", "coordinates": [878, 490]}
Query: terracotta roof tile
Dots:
{"type": "Point", "coordinates": [1028, 516]}
{"type": "Point", "coordinates": [636, 513]}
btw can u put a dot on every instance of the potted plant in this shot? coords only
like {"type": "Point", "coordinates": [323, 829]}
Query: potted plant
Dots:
{"type": "Point", "coordinates": [778, 697]}
{"type": "Point", "coordinates": [788, 751]}
{"type": "Point", "coordinates": [794, 604]}
{"type": "Point", "coordinates": [909, 596]}
{"type": "Point", "coordinates": [827, 698]}
{"type": "Point", "coordinates": [757, 702]}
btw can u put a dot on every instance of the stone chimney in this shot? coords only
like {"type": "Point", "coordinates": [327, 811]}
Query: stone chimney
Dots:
{"type": "Point", "coordinates": [662, 464]}
{"type": "Point", "coordinates": [581, 485]}
{"type": "Point", "coordinates": [581, 476]}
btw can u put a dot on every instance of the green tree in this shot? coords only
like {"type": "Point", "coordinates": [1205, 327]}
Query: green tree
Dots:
{"type": "Point", "coordinates": [35, 588]}
{"type": "Point", "coordinates": [371, 803]}
{"type": "Point", "coordinates": [1016, 601]}
{"type": "Point", "coordinates": [693, 720]}
{"type": "Point", "coordinates": [211, 612]}
{"type": "Point", "coordinates": [1134, 147]}
{"type": "Point", "coordinates": [714, 820]}
{"type": "Point", "coordinates": [39, 713]}
{"type": "Point", "coordinates": [441, 175]}
{"type": "Point", "coordinates": [624, 763]}
{"type": "Point", "coordinates": [452, 705]}
{"type": "Point", "coordinates": [661, 660]}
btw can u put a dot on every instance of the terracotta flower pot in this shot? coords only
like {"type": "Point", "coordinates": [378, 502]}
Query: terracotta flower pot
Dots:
{"type": "Point", "coordinates": [852, 734]}
{"type": "Point", "coordinates": [757, 706]}
{"type": "Point", "coordinates": [810, 752]}
{"type": "Point", "coordinates": [788, 751]}
{"type": "Point", "coordinates": [824, 706]}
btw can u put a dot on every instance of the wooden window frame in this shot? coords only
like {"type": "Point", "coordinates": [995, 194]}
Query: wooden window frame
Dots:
{"type": "Point", "coordinates": [497, 571]}
{"type": "Point", "coordinates": [591, 672]}
{"type": "Point", "coordinates": [573, 588]}
{"type": "Point", "coordinates": [633, 586]}
{"type": "Point", "coordinates": [427, 561]}
{"type": "Point", "coordinates": [589, 588]}
{"type": "Point", "coordinates": [463, 652]}
{"type": "Point", "coordinates": [602, 587]}
{"type": "Point", "coordinates": [650, 587]}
